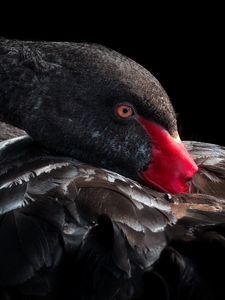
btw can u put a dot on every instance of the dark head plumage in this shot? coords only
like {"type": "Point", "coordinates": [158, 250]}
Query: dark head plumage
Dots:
{"type": "Point", "coordinates": [64, 94]}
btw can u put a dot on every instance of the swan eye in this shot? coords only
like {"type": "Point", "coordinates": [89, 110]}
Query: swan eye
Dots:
{"type": "Point", "coordinates": [124, 111]}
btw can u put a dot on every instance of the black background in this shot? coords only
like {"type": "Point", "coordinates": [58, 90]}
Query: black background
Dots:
{"type": "Point", "coordinates": [184, 50]}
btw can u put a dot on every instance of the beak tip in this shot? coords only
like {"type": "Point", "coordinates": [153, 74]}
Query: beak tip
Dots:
{"type": "Point", "coordinates": [176, 137]}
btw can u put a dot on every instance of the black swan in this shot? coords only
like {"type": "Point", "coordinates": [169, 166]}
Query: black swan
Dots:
{"type": "Point", "coordinates": [102, 200]}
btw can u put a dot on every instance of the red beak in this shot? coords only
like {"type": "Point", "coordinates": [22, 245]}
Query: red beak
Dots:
{"type": "Point", "coordinates": [171, 167]}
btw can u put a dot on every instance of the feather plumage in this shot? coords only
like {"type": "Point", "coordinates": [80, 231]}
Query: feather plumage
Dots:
{"type": "Point", "coordinates": [78, 224]}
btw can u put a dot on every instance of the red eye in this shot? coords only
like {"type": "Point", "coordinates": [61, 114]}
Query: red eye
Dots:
{"type": "Point", "coordinates": [124, 111]}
